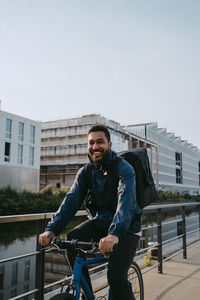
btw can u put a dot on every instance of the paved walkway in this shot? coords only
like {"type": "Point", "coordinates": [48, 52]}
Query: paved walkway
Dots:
{"type": "Point", "coordinates": [180, 279]}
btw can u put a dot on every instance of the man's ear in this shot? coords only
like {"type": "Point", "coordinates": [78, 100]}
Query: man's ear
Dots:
{"type": "Point", "coordinates": [110, 144]}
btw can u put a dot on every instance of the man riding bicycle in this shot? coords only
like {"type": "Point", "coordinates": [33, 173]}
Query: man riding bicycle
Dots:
{"type": "Point", "coordinates": [114, 215]}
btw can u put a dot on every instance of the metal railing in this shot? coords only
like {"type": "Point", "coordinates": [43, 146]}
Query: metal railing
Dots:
{"type": "Point", "coordinates": [41, 219]}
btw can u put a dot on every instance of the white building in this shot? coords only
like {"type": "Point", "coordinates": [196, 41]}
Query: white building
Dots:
{"type": "Point", "coordinates": [175, 163]}
{"type": "Point", "coordinates": [19, 152]}
{"type": "Point", "coordinates": [178, 160]}
{"type": "Point", "coordinates": [64, 147]}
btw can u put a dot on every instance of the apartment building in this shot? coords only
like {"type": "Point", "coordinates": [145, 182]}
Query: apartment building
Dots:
{"type": "Point", "coordinates": [19, 152]}
{"type": "Point", "coordinates": [178, 160]}
{"type": "Point", "coordinates": [64, 147]}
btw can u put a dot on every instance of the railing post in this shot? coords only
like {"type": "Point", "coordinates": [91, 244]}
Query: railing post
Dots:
{"type": "Point", "coordinates": [159, 239]}
{"type": "Point", "coordinates": [184, 232]}
{"type": "Point", "coordinates": [39, 272]}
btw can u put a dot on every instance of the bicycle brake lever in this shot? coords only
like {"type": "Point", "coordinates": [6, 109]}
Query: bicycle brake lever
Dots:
{"type": "Point", "coordinates": [56, 246]}
{"type": "Point", "coordinates": [54, 242]}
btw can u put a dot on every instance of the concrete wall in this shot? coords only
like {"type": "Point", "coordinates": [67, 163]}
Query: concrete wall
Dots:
{"type": "Point", "coordinates": [19, 178]}
{"type": "Point", "coordinates": [19, 175]}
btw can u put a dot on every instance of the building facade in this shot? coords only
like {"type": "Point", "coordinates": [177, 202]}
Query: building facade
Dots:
{"type": "Point", "coordinates": [175, 163]}
{"type": "Point", "coordinates": [178, 160]}
{"type": "Point", "coordinates": [19, 152]}
{"type": "Point", "coordinates": [64, 147]}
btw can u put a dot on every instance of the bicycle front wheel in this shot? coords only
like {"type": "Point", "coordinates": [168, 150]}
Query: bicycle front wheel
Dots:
{"type": "Point", "coordinates": [63, 296]}
{"type": "Point", "coordinates": [135, 278]}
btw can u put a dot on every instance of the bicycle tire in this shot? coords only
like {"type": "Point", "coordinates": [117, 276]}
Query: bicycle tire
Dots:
{"type": "Point", "coordinates": [136, 280]}
{"type": "Point", "coordinates": [63, 296]}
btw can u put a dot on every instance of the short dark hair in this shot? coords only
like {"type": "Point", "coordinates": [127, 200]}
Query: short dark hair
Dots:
{"type": "Point", "coordinates": [100, 127]}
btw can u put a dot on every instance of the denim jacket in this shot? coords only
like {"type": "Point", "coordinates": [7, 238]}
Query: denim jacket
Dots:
{"type": "Point", "coordinates": [115, 208]}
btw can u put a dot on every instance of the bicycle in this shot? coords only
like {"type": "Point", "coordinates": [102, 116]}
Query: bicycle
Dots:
{"type": "Point", "coordinates": [73, 290]}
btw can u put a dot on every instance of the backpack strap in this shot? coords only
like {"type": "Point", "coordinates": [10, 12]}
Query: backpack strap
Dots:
{"type": "Point", "coordinates": [88, 173]}
{"type": "Point", "coordinates": [113, 171]}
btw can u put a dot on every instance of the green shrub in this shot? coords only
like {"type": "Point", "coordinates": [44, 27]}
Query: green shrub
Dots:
{"type": "Point", "coordinates": [16, 203]}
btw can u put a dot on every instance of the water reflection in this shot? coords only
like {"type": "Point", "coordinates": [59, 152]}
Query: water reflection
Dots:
{"type": "Point", "coordinates": [19, 238]}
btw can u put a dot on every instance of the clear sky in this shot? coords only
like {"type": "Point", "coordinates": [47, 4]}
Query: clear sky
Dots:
{"type": "Point", "coordinates": [130, 61]}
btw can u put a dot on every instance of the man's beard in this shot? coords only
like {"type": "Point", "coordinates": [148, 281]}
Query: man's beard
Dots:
{"type": "Point", "coordinates": [104, 158]}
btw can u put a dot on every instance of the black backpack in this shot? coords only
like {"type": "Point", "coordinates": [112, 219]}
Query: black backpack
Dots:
{"type": "Point", "coordinates": [145, 187]}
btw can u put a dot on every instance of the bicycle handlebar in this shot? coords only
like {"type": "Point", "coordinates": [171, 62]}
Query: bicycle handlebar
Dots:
{"type": "Point", "coordinates": [62, 244]}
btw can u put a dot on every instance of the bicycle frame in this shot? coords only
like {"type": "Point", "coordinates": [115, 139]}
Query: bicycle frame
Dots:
{"type": "Point", "coordinates": [79, 280]}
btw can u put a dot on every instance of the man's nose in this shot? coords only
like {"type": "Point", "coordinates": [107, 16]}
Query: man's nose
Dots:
{"type": "Point", "coordinates": [95, 146]}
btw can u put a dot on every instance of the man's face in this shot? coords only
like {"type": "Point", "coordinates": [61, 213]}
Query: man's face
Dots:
{"type": "Point", "coordinates": [98, 145]}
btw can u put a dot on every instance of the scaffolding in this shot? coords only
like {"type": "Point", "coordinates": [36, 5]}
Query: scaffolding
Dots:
{"type": "Point", "coordinates": [64, 148]}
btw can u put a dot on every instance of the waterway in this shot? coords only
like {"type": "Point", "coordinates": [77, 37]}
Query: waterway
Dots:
{"type": "Point", "coordinates": [20, 238]}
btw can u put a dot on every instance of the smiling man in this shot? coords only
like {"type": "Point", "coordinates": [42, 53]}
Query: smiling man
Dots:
{"type": "Point", "coordinates": [99, 146]}
{"type": "Point", "coordinates": [114, 215]}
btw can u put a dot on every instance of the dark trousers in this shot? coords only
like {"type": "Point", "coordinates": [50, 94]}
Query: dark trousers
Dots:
{"type": "Point", "coordinates": [119, 261]}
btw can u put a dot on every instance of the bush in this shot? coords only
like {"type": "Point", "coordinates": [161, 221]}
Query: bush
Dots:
{"type": "Point", "coordinates": [16, 203]}
{"type": "Point", "coordinates": [165, 196]}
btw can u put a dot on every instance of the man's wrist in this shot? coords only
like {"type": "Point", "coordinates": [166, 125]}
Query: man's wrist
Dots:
{"type": "Point", "coordinates": [50, 234]}
{"type": "Point", "coordinates": [114, 237]}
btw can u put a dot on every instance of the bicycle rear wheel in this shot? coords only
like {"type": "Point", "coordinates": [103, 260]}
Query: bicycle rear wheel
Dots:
{"type": "Point", "coordinates": [135, 278]}
{"type": "Point", "coordinates": [63, 296]}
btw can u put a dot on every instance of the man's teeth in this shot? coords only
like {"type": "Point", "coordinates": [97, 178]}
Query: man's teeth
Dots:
{"type": "Point", "coordinates": [97, 153]}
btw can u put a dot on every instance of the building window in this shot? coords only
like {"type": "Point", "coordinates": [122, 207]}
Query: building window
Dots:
{"type": "Point", "coordinates": [14, 273]}
{"type": "Point", "coordinates": [13, 292]}
{"type": "Point", "coordinates": [31, 156]}
{"type": "Point", "coordinates": [8, 128]}
{"type": "Point", "coordinates": [178, 176]}
{"type": "Point", "coordinates": [179, 171]}
{"type": "Point", "coordinates": [27, 270]}
{"type": "Point", "coordinates": [178, 159]}
{"type": "Point", "coordinates": [199, 166]}
{"type": "Point", "coordinates": [7, 152]}
{"type": "Point", "coordinates": [21, 132]}
{"type": "Point", "coordinates": [199, 180]}
{"type": "Point", "coordinates": [20, 154]}
{"type": "Point", "coordinates": [32, 134]}
{"type": "Point", "coordinates": [1, 276]}
{"type": "Point", "coordinates": [26, 289]}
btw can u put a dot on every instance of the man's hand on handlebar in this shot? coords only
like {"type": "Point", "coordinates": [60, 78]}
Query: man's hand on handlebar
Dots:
{"type": "Point", "coordinates": [106, 244]}
{"type": "Point", "coordinates": [45, 238]}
